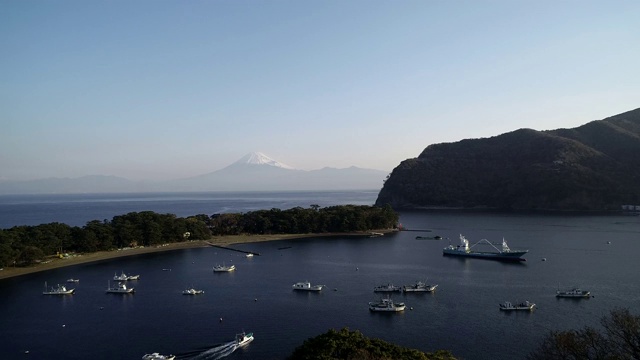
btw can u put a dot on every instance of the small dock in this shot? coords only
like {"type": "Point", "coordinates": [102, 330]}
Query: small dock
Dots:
{"type": "Point", "coordinates": [232, 249]}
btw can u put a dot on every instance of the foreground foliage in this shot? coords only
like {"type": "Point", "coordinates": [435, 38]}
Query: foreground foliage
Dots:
{"type": "Point", "coordinates": [619, 340]}
{"type": "Point", "coordinates": [352, 345]}
{"type": "Point", "coordinates": [24, 245]}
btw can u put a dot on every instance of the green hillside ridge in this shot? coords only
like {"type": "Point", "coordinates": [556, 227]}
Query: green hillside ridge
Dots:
{"type": "Point", "coordinates": [594, 167]}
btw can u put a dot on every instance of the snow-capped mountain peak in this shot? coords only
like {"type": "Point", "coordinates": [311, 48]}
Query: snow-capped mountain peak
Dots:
{"type": "Point", "coordinates": [258, 158]}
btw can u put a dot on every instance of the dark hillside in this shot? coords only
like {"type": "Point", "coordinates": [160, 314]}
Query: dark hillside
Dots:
{"type": "Point", "coordinates": [592, 167]}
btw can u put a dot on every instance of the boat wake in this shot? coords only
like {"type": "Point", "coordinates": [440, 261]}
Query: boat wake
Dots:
{"type": "Point", "coordinates": [215, 353]}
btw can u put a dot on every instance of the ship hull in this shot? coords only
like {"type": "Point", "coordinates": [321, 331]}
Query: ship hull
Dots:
{"type": "Point", "coordinates": [515, 256]}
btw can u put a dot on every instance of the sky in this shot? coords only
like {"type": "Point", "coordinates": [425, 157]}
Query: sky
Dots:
{"type": "Point", "coordinates": [158, 90]}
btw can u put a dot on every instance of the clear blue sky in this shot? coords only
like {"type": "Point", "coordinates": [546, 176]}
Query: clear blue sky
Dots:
{"type": "Point", "coordinates": [168, 89]}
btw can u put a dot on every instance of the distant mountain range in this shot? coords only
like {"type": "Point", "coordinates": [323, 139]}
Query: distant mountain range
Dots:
{"type": "Point", "coordinates": [592, 167]}
{"type": "Point", "coordinates": [253, 172]}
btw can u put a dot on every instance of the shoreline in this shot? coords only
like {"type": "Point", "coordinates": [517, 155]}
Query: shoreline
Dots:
{"type": "Point", "coordinates": [56, 263]}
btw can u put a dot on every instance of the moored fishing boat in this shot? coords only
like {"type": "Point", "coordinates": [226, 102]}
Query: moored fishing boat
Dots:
{"type": "Point", "coordinates": [573, 293]}
{"type": "Point", "coordinates": [58, 290]}
{"type": "Point", "coordinates": [508, 306]}
{"type": "Point", "coordinates": [192, 291]}
{"type": "Point", "coordinates": [224, 268]}
{"type": "Point", "coordinates": [306, 286]}
{"type": "Point", "coordinates": [121, 288]}
{"type": "Point", "coordinates": [387, 288]}
{"type": "Point", "coordinates": [386, 305]}
{"type": "Point", "coordinates": [125, 277]}
{"type": "Point", "coordinates": [419, 287]}
{"type": "Point", "coordinates": [503, 254]}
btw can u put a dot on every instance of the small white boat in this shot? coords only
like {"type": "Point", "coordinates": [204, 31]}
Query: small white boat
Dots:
{"type": "Point", "coordinates": [133, 277]}
{"type": "Point", "coordinates": [249, 255]}
{"type": "Point", "coordinates": [121, 288]}
{"type": "Point", "coordinates": [73, 280]}
{"type": "Point", "coordinates": [243, 338]}
{"type": "Point", "coordinates": [192, 291]}
{"type": "Point", "coordinates": [420, 287]}
{"type": "Point", "coordinates": [387, 288]}
{"type": "Point", "coordinates": [306, 286]}
{"type": "Point", "coordinates": [58, 290]}
{"type": "Point", "coordinates": [573, 293]}
{"type": "Point", "coordinates": [386, 305]}
{"type": "Point", "coordinates": [157, 356]}
{"type": "Point", "coordinates": [223, 268]}
{"type": "Point", "coordinates": [508, 306]}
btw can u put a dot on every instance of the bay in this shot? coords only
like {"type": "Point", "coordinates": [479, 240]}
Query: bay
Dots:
{"type": "Point", "coordinates": [461, 316]}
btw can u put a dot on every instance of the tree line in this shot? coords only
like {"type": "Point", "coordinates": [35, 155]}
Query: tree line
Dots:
{"type": "Point", "coordinates": [24, 245]}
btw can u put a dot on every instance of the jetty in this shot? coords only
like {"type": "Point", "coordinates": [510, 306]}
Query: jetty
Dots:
{"type": "Point", "coordinates": [232, 249]}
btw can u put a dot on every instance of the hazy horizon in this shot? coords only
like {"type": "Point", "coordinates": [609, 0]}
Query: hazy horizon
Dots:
{"type": "Point", "coordinates": [150, 90]}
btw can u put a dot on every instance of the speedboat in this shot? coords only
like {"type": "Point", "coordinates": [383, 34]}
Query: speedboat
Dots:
{"type": "Point", "coordinates": [420, 287]}
{"type": "Point", "coordinates": [223, 268]}
{"type": "Point", "coordinates": [249, 255]}
{"type": "Point", "coordinates": [157, 356]}
{"type": "Point", "coordinates": [387, 305]}
{"type": "Point", "coordinates": [508, 306]}
{"type": "Point", "coordinates": [121, 288]}
{"type": "Point", "coordinates": [192, 291]}
{"type": "Point", "coordinates": [387, 288]}
{"type": "Point", "coordinates": [305, 285]}
{"type": "Point", "coordinates": [73, 280]}
{"type": "Point", "coordinates": [133, 277]}
{"type": "Point", "coordinates": [58, 290]}
{"type": "Point", "coordinates": [243, 338]}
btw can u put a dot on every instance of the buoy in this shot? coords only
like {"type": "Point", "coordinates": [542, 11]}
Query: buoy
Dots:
{"type": "Point", "coordinates": [220, 319]}
{"type": "Point", "coordinates": [256, 299]}
{"type": "Point", "coordinates": [411, 308]}
{"type": "Point", "coordinates": [63, 325]}
{"type": "Point", "coordinates": [26, 351]}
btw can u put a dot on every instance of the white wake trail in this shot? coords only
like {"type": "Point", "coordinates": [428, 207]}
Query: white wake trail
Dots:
{"type": "Point", "coordinates": [217, 352]}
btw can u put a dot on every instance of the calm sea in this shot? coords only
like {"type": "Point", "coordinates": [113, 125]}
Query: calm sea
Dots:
{"type": "Point", "coordinates": [462, 315]}
{"type": "Point", "coordinates": [78, 209]}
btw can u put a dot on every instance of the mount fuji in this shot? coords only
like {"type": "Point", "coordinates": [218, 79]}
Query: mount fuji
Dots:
{"type": "Point", "coordinates": [253, 172]}
{"type": "Point", "coordinates": [258, 158]}
{"type": "Point", "coordinates": [258, 172]}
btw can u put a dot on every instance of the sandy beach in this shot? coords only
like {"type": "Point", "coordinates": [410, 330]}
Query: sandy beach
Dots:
{"type": "Point", "coordinates": [75, 259]}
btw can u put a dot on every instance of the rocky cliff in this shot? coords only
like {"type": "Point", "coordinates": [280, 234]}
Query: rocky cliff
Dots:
{"type": "Point", "coordinates": [592, 167]}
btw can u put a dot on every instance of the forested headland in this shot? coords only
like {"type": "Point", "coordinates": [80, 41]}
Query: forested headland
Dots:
{"type": "Point", "coordinates": [26, 245]}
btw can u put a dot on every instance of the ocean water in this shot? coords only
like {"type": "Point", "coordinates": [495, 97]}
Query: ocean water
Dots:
{"type": "Point", "coordinates": [597, 253]}
{"type": "Point", "coordinates": [78, 209]}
